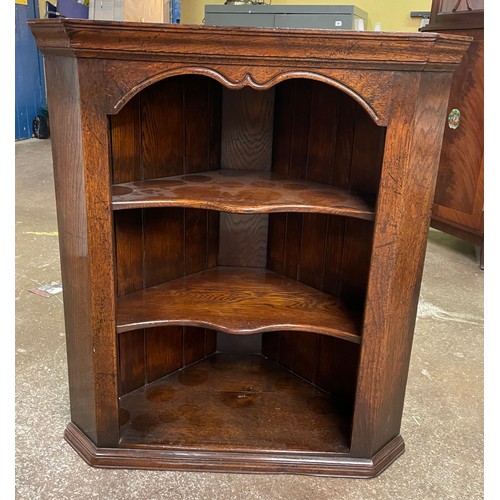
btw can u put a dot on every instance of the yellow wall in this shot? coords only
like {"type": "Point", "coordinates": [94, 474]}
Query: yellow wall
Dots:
{"type": "Point", "coordinates": [394, 15]}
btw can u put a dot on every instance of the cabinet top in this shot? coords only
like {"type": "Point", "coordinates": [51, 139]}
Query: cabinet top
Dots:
{"type": "Point", "coordinates": [254, 46]}
{"type": "Point", "coordinates": [287, 9]}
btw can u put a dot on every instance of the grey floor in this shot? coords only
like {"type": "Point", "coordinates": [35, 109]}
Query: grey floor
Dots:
{"type": "Point", "coordinates": [442, 422]}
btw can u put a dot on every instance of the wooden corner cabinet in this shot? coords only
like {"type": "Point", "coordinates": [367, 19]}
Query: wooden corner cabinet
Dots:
{"type": "Point", "coordinates": [243, 216]}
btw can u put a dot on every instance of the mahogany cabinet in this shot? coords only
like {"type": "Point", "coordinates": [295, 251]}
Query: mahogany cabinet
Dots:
{"type": "Point", "coordinates": [243, 216]}
{"type": "Point", "coordinates": [459, 199]}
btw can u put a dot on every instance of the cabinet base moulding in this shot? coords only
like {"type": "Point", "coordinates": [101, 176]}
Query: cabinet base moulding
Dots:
{"type": "Point", "coordinates": [328, 464]}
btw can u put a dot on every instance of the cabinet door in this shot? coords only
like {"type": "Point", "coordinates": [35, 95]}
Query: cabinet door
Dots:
{"type": "Point", "coordinates": [456, 14]}
{"type": "Point", "coordinates": [459, 191]}
{"type": "Point", "coordinates": [449, 6]}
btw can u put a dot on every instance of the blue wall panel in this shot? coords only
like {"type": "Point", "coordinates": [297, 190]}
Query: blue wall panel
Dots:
{"type": "Point", "coordinates": [30, 83]}
{"type": "Point", "coordinates": [176, 11]}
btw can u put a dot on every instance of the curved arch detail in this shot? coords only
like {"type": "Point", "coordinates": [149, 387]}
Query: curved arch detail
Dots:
{"type": "Point", "coordinates": [248, 81]}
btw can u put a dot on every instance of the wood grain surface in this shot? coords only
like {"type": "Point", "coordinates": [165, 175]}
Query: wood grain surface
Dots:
{"type": "Point", "coordinates": [215, 403]}
{"type": "Point", "coordinates": [241, 192]}
{"type": "Point", "coordinates": [216, 298]}
{"type": "Point", "coordinates": [459, 200]}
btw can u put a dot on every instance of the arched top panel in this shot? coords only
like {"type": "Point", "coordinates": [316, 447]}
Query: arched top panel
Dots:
{"type": "Point", "coordinates": [134, 55]}
{"type": "Point", "coordinates": [246, 79]}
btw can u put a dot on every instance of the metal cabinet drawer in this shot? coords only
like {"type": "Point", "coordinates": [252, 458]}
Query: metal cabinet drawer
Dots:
{"type": "Point", "coordinates": [248, 19]}
{"type": "Point", "coordinates": [318, 21]}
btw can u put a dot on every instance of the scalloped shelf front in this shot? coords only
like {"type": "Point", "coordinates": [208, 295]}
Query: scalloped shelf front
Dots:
{"type": "Point", "coordinates": [241, 191]}
{"type": "Point", "coordinates": [216, 299]}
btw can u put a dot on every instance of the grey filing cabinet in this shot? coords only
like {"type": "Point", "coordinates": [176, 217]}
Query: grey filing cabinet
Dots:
{"type": "Point", "coordinates": [340, 17]}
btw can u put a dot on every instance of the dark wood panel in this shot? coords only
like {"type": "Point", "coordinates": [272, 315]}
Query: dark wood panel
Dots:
{"type": "Point", "coordinates": [210, 341]}
{"type": "Point", "coordinates": [196, 123]}
{"type": "Point", "coordinates": [322, 132]}
{"type": "Point", "coordinates": [129, 251]}
{"type": "Point", "coordinates": [459, 197]}
{"type": "Point", "coordinates": [126, 156]}
{"type": "Point", "coordinates": [172, 127]}
{"type": "Point", "coordinates": [163, 245]}
{"type": "Point", "coordinates": [243, 240]}
{"type": "Point", "coordinates": [300, 129]}
{"type": "Point", "coordinates": [276, 242]}
{"type": "Point", "coordinates": [132, 361]}
{"type": "Point", "coordinates": [344, 372]}
{"type": "Point", "coordinates": [239, 344]}
{"type": "Point", "coordinates": [163, 128]}
{"type": "Point", "coordinates": [304, 356]}
{"type": "Point", "coordinates": [312, 250]}
{"type": "Point", "coordinates": [356, 262]}
{"type": "Point", "coordinates": [217, 296]}
{"type": "Point", "coordinates": [347, 114]}
{"type": "Point", "coordinates": [334, 248]}
{"type": "Point", "coordinates": [325, 362]}
{"type": "Point", "coordinates": [247, 132]}
{"type": "Point", "coordinates": [367, 154]}
{"type": "Point", "coordinates": [146, 355]}
{"type": "Point", "coordinates": [164, 351]}
{"type": "Point", "coordinates": [448, 21]}
{"type": "Point", "coordinates": [194, 344]}
{"type": "Point", "coordinates": [286, 350]}
{"type": "Point", "coordinates": [283, 122]}
{"type": "Point", "coordinates": [212, 238]}
{"type": "Point", "coordinates": [195, 240]}
{"type": "Point", "coordinates": [215, 125]}
{"type": "Point", "coordinates": [309, 142]}
{"type": "Point", "coordinates": [292, 245]}
{"type": "Point", "coordinates": [270, 345]}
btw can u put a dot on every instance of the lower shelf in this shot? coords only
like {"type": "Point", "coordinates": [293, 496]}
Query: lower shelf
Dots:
{"type": "Point", "coordinates": [234, 402]}
{"type": "Point", "coordinates": [234, 413]}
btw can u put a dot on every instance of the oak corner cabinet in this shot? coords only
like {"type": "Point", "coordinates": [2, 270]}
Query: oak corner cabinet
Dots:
{"type": "Point", "coordinates": [242, 218]}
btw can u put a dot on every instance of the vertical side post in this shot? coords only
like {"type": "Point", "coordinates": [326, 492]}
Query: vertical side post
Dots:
{"type": "Point", "coordinates": [409, 171]}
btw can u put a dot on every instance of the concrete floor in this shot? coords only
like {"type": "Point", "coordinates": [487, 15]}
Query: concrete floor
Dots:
{"type": "Point", "coordinates": [442, 422]}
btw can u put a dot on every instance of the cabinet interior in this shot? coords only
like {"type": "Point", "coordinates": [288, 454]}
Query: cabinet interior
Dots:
{"type": "Point", "coordinates": [306, 131]}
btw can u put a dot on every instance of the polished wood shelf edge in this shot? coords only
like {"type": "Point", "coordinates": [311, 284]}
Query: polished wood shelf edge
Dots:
{"type": "Point", "coordinates": [330, 465]}
{"type": "Point", "coordinates": [240, 191]}
{"type": "Point", "coordinates": [238, 300]}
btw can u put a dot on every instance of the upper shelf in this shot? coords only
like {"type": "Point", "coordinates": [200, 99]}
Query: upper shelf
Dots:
{"type": "Point", "coordinates": [241, 191]}
{"type": "Point", "coordinates": [238, 300]}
